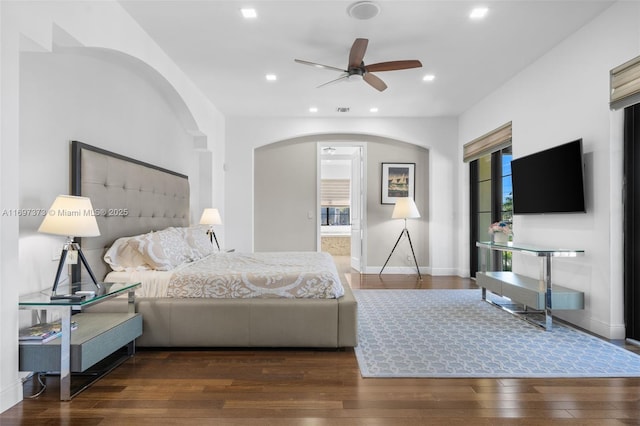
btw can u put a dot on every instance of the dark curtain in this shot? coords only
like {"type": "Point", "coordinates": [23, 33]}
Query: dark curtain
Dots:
{"type": "Point", "coordinates": [632, 221]}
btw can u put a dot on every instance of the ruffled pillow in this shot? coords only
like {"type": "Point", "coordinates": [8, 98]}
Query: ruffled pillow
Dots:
{"type": "Point", "coordinates": [163, 250]}
{"type": "Point", "coordinates": [122, 257]}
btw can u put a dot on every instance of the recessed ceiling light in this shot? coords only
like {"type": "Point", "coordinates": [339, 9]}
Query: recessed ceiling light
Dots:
{"type": "Point", "coordinates": [313, 109]}
{"type": "Point", "coordinates": [374, 109]}
{"type": "Point", "coordinates": [249, 13]}
{"type": "Point", "coordinates": [271, 77]}
{"type": "Point", "coordinates": [479, 12]}
{"type": "Point", "coordinates": [429, 77]}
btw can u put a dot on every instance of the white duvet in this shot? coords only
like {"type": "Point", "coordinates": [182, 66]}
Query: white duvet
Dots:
{"type": "Point", "coordinates": [243, 275]}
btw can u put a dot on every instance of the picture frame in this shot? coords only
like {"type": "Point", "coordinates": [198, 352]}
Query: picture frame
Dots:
{"type": "Point", "coordinates": [397, 180]}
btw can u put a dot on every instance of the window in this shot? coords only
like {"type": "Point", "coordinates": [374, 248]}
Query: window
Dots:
{"type": "Point", "coordinates": [506, 205]}
{"type": "Point", "coordinates": [507, 188]}
{"type": "Point", "coordinates": [335, 215]}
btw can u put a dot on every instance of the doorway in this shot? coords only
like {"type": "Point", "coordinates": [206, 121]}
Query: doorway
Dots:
{"type": "Point", "coordinates": [341, 202]}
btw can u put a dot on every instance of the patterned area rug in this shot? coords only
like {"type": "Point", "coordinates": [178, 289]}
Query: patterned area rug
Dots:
{"type": "Point", "coordinates": [453, 333]}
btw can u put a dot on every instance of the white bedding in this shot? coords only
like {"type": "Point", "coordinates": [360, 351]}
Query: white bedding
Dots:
{"type": "Point", "coordinates": [242, 275]}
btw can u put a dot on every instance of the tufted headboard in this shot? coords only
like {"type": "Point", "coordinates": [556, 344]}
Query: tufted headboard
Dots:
{"type": "Point", "coordinates": [129, 197]}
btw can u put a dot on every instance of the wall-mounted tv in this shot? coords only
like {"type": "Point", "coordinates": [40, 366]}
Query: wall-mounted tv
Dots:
{"type": "Point", "coordinates": [549, 181]}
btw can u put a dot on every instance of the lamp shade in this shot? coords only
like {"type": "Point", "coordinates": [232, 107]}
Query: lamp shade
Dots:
{"type": "Point", "coordinates": [405, 208]}
{"type": "Point", "coordinates": [210, 217]}
{"type": "Point", "coordinates": [70, 216]}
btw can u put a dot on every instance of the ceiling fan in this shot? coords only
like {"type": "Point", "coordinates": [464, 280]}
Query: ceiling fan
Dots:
{"type": "Point", "coordinates": [357, 66]}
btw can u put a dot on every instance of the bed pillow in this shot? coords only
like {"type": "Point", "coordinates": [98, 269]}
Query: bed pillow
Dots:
{"type": "Point", "coordinates": [122, 257]}
{"type": "Point", "coordinates": [162, 250]}
{"type": "Point", "coordinates": [198, 241]}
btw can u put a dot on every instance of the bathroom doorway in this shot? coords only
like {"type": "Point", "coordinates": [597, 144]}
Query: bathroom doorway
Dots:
{"type": "Point", "coordinates": [341, 216]}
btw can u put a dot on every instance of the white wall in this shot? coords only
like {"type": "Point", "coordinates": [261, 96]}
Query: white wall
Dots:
{"type": "Point", "coordinates": [561, 97]}
{"type": "Point", "coordinates": [78, 97]}
{"type": "Point", "coordinates": [97, 29]}
{"type": "Point", "coordinates": [438, 135]}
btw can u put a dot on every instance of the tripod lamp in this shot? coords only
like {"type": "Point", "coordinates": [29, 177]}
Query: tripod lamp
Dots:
{"type": "Point", "coordinates": [405, 208]}
{"type": "Point", "coordinates": [71, 217]}
{"type": "Point", "coordinates": [211, 217]}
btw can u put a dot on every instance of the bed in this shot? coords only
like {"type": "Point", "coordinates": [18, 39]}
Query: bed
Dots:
{"type": "Point", "coordinates": [221, 303]}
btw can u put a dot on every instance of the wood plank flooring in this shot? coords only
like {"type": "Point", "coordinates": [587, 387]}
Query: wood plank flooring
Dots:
{"type": "Point", "coordinates": [320, 387]}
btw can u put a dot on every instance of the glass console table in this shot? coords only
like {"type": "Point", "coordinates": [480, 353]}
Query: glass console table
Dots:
{"type": "Point", "coordinates": [119, 327]}
{"type": "Point", "coordinates": [540, 294]}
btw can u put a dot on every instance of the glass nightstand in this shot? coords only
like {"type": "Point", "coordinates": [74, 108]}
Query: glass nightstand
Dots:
{"type": "Point", "coordinates": [118, 327]}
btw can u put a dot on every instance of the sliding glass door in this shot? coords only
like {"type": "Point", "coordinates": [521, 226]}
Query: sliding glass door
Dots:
{"type": "Point", "coordinates": [491, 200]}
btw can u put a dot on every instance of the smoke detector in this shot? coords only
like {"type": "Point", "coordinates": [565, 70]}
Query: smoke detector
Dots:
{"type": "Point", "coordinates": [363, 10]}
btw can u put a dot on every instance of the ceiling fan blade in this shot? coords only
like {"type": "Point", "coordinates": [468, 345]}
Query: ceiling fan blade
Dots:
{"type": "Point", "coordinates": [374, 81]}
{"type": "Point", "coordinates": [356, 55]}
{"type": "Point", "coordinates": [336, 80]}
{"type": "Point", "coordinates": [313, 64]}
{"type": "Point", "coordinates": [393, 65]}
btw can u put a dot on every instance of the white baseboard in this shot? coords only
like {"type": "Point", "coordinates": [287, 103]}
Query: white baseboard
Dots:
{"type": "Point", "coordinates": [11, 396]}
{"type": "Point", "coordinates": [445, 272]}
{"type": "Point", "coordinates": [411, 270]}
{"type": "Point", "coordinates": [400, 270]}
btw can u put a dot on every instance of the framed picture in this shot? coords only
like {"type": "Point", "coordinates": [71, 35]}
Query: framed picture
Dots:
{"type": "Point", "coordinates": [398, 180]}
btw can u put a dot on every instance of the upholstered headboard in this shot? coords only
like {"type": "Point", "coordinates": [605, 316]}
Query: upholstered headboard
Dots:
{"type": "Point", "coordinates": [129, 197]}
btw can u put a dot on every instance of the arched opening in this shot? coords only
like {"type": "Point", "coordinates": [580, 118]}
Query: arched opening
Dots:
{"type": "Point", "coordinates": [287, 202]}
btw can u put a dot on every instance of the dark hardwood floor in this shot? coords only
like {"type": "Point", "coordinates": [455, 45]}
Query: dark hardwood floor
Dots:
{"type": "Point", "coordinates": [320, 387]}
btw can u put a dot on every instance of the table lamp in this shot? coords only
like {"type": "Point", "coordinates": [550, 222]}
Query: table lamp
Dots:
{"type": "Point", "coordinates": [211, 217]}
{"type": "Point", "coordinates": [71, 217]}
{"type": "Point", "coordinates": [405, 208]}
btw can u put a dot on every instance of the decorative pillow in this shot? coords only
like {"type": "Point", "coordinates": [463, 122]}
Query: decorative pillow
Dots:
{"type": "Point", "coordinates": [122, 257]}
{"type": "Point", "coordinates": [197, 239]}
{"type": "Point", "coordinates": [162, 250]}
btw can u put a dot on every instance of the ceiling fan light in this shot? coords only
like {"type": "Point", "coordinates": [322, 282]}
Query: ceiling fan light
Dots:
{"type": "Point", "coordinates": [363, 10]}
{"type": "Point", "coordinates": [329, 150]}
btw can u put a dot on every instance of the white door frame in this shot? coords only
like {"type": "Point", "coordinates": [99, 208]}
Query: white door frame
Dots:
{"type": "Point", "coordinates": [363, 198]}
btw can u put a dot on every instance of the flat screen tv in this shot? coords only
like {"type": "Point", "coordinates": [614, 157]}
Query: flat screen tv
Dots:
{"type": "Point", "coordinates": [549, 181]}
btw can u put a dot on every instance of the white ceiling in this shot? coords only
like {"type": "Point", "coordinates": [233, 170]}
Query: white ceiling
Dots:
{"type": "Point", "coordinates": [228, 56]}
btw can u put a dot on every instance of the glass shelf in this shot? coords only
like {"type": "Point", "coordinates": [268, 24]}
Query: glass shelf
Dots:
{"type": "Point", "coordinates": [530, 249]}
{"type": "Point", "coordinates": [107, 290]}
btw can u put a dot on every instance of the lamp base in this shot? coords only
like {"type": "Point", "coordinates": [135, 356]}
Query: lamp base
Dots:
{"type": "Point", "coordinates": [405, 230]}
{"type": "Point", "coordinates": [212, 237]}
{"type": "Point", "coordinates": [69, 246]}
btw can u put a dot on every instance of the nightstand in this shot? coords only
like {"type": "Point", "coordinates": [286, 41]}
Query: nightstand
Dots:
{"type": "Point", "coordinates": [98, 334]}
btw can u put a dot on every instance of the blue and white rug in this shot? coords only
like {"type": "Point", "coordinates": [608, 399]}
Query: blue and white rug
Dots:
{"type": "Point", "coordinates": [453, 333]}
